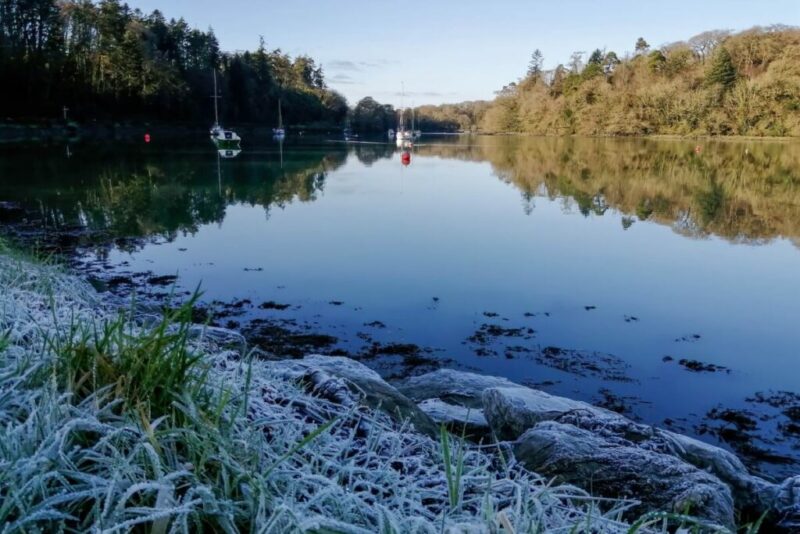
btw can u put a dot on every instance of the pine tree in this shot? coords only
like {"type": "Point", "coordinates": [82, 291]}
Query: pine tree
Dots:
{"type": "Point", "coordinates": [722, 70]}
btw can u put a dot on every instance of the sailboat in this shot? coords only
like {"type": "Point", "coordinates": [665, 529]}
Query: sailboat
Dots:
{"type": "Point", "coordinates": [279, 132]}
{"type": "Point", "coordinates": [402, 136]}
{"type": "Point", "coordinates": [225, 140]}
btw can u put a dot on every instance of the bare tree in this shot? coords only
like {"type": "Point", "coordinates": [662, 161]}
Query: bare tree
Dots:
{"type": "Point", "coordinates": [576, 61]}
{"type": "Point", "coordinates": [703, 44]}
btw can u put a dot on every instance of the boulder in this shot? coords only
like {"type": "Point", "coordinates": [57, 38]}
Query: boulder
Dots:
{"type": "Point", "coordinates": [611, 467]}
{"type": "Point", "coordinates": [221, 337]}
{"type": "Point", "coordinates": [454, 387]}
{"type": "Point", "coordinates": [360, 379]}
{"type": "Point", "coordinates": [458, 419]}
{"type": "Point", "coordinates": [787, 504]}
{"type": "Point", "coordinates": [511, 411]}
{"type": "Point", "coordinates": [750, 493]}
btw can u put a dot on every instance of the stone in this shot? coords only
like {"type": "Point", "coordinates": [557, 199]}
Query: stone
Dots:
{"type": "Point", "coordinates": [454, 387]}
{"type": "Point", "coordinates": [610, 467]}
{"type": "Point", "coordinates": [221, 337]}
{"type": "Point", "coordinates": [458, 419]}
{"type": "Point", "coordinates": [360, 379]}
{"type": "Point", "coordinates": [511, 411]}
{"type": "Point", "coordinates": [787, 504]}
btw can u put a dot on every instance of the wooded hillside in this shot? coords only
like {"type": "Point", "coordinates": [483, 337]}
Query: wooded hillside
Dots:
{"type": "Point", "coordinates": [104, 60]}
{"type": "Point", "coordinates": [716, 83]}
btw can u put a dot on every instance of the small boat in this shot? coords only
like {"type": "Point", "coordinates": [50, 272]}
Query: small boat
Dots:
{"type": "Point", "coordinates": [390, 134]}
{"type": "Point", "coordinates": [279, 132]}
{"type": "Point", "coordinates": [222, 138]}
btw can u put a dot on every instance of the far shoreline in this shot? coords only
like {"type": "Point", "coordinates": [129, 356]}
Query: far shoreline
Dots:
{"type": "Point", "coordinates": [12, 132]}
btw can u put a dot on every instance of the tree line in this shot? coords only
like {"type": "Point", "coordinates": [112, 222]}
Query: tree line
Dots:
{"type": "Point", "coordinates": [715, 83]}
{"type": "Point", "coordinates": [104, 60]}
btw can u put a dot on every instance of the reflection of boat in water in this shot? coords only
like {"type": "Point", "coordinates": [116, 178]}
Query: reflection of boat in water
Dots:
{"type": "Point", "coordinates": [279, 132]}
{"type": "Point", "coordinates": [222, 138]}
{"type": "Point", "coordinates": [227, 153]}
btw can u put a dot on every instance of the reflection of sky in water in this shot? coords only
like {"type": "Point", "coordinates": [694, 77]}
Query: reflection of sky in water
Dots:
{"type": "Point", "coordinates": [386, 239]}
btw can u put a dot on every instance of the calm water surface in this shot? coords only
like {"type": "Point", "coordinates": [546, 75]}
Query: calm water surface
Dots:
{"type": "Point", "coordinates": [576, 265]}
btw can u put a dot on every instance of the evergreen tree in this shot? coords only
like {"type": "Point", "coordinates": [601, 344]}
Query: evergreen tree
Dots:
{"type": "Point", "coordinates": [535, 65]}
{"type": "Point", "coordinates": [596, 58]}
{"type": "Point", "coordinates": [641, 46]}
{"type": "Point", "coordinates": [722, 71]}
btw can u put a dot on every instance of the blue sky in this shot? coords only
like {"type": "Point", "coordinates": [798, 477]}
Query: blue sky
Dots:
{"type": "Point", "coordinates": [448, 50]}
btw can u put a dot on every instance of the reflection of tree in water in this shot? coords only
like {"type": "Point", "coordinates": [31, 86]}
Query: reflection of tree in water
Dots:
{"type": "Point", "coordinates": [743, 191]}
{"type": "Point", "coordinates": [168, 195]}
{"type": "Point", "coordinates": [369, 153]}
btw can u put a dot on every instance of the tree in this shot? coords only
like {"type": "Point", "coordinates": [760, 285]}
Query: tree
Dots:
{"type": "Point", "coordinates": [722, 70]}
{"type": "Point", "coordinates": [641, 46]}
{"type": "Point", "coordinates": [535, 64]}
{"type": "Point", "coordinates": [576, 61]}
{"type": "Point", "coordinates": [656, 61]}
{"type": "Point", "coordinates": [596, 58]}
{"type": "Point", "coordinates": [703, 44]}
{"type": "Point", "coordinates": [610, 62]}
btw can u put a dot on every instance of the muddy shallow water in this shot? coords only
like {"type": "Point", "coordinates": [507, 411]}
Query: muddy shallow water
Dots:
{"type": "Point", "coordinates": [657, 278]}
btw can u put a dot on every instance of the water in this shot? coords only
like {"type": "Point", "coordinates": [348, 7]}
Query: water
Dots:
{"type": "Point", "coordinates": [579, 266]}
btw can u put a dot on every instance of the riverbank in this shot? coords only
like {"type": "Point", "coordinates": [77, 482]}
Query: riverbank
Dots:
{"type": "Point", "coordinates": [316, 444]}
{"type": "Point", "coordinates": [54, 131]}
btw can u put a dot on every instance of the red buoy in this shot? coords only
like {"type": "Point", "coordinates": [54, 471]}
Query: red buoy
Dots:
{"type": "Point", "coordinates": [406, 158]}
{"type": "Point", "coordinates": [147, 138]}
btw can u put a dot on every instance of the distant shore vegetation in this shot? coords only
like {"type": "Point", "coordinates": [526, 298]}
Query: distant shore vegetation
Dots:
{"type": "Point", "coordinates": [106, 61]}
{"type": "Point", "coordinates": [715, 83]}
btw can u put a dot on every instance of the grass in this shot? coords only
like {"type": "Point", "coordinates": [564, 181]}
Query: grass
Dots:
{"type": "Point", "coordinates": [109, 425]}
{"type": "Point", "coordinates": [147, 370]}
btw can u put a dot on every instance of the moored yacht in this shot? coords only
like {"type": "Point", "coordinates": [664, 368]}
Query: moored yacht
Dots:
{"type": "Point", "coordinates": [222, 138]}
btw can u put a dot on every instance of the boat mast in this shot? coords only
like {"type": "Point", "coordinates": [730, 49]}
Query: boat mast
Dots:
{"type": "Point", "coordinates": [402, 106]}
{"type": "Point", "coordinates": [216, 97]}
{"type": "Point", "coordinates": [280, 115]}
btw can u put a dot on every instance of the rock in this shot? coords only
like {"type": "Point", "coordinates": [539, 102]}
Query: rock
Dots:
{"type": "Point", "coordinates": [610, 467]}
{"type": "Point", "coordinates": [787, 504]}
{"type": "Point", "coordinates": [455, 387]}
{"type": "Point", "coordinates": [221, 337]}
{"type": "Point", "coordinates": [511, 411]}
{"type": "Point", "coordinates": [458, 419]}
{"type": "Point", "coordinates": [749, 492]}
{"type": "Point", "coordinates": [374, 391]}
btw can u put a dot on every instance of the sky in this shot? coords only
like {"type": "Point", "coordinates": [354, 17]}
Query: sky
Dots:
{"type": "Point", "coordinates": [456, 50]}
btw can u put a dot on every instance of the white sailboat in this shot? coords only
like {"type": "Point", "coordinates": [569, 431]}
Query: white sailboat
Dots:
{"type": "Point", "coordinates": [279, 132]}
{"type": "Point", "coordinates": [402, 136]}
{"type": "Point", "coordinates": [225, 140]}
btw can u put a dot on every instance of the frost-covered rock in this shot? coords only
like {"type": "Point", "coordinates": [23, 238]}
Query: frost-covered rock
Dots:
{"type": "Point", "coordinates": [511, 411]}
{"type": "Point", "coordinates": [362, 380]}
{"type": "Point", "coordinates": [454, 387]}
{"type": "Point", "coordinates": [457, 418]}
{"type": "Point", "coordinates": [787, 504]}
{"type": "Point", "coordinates": [611, 467]}
{"type": "Point", "coordinates": [220, 337]}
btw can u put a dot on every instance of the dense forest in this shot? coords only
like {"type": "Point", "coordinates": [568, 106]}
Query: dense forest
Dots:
{"type": "Point", "coordinates": [716, 83]}
{"type": "Point", "coordinates": [104, 60]}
